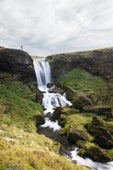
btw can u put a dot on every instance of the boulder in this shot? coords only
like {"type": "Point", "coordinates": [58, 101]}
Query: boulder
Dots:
{"type": "Point", "coordinates": [84, 99]}
{"type": "Point", "coordinates": [75, 135]}
{"type": "Point", "coordinates": [101, 133]}
{"type": "Point", "coordinates": [90, 150]}
{"type": "Point", "coordinates": [63, 110]}
{"type": "Point", "coordinates": [57, 113]}
{"type": "Point", "coordinates": [70, 94]}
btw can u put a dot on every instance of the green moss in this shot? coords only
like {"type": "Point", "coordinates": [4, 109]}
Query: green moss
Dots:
{"type": "Point", "coordinates": [93, 151]}
{"type": "Point", "coordinates": [76, 122]}
{"type": "Point", "coordinates": [102, 134]}
{"type": "Point", "coordinates": [111, 153]}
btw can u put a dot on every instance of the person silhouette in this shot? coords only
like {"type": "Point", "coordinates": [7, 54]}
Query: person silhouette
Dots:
{"type": "Point", "coordinates": [21, 47]}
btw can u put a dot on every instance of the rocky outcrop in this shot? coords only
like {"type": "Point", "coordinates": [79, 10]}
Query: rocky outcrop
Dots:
{"type": "Point", "coordinates": [84, 99]}
{"type": "Point", "coordinates": [63, 111]}
{"type": "Point", "coordinates": [75, 135]}
{"type": "Point", "coordinates": [88, 149]}
{"type": "Point", "coordinates": [96, 62]}
{"type": "Point", "coordinates": [102, 133]}
{"type": "Point", "coordinates": [15, 61]}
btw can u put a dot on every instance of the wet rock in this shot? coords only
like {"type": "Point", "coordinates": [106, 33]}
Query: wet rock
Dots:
{"type": "Point", "coordinates": [57, 113]}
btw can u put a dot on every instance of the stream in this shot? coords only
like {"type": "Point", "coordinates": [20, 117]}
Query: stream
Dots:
{"type": "Point", "coordinates": [50, 129]}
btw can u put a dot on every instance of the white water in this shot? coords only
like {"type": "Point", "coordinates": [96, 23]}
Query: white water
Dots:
{"type": "Point", "coordinates": [43, 74]}
{"type": "Point", "coordinates": [52, 100]}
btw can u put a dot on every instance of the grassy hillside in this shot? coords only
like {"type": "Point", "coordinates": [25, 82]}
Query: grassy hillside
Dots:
{"type": "Point", "coordinates": [79, 80]}
{"type": "Point", "coordinates": [21, 147]}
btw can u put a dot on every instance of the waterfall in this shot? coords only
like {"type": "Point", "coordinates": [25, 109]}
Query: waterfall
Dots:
{"type": "Point", "coordinates": [52, 100]}
{"type": "Point", "coordinates": [43, 73]}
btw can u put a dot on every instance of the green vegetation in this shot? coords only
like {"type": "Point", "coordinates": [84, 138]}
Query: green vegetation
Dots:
{"type": "Point", "coordinates": [21, 147]}
{"type": "Point", "coordinates": [77, 121]}
{"type": "Point", "coordinates": [16, 102]}
{"type": "Point", "coordinates": [80, 81]}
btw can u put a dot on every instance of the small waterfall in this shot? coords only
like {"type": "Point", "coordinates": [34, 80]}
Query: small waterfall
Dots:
{"type": "Point", "coordinates": [52, 100]}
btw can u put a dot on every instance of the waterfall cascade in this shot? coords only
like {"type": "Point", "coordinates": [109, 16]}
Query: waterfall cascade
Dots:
{"type": "Point", "coordinates": [51, 101]}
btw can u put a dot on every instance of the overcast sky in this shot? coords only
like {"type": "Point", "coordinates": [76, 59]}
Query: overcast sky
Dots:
{"type": "Point", "coordinates": [46, 27]}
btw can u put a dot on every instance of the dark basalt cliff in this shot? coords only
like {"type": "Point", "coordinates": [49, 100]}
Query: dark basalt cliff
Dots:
{"type": "Point", "coordinates": [98, 62]}
{"type": "Point", "coordinates": [15, 61]}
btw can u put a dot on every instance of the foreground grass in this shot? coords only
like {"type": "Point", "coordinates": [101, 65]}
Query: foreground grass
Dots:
{"type": "Point", "coordinates": [29, 151]}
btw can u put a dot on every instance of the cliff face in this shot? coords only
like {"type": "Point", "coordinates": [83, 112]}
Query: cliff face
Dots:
{"type": "Point", "coordinates": [16, 61]}
{"type": "Point", "coordinates": [97, 62]}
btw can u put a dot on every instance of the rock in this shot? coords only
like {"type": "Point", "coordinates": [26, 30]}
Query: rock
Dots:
{"type": "Point", "coordinates": [102, 135]}
{"type": "Point", "coordinates": [39, 96]}
{"type": "Point", "coordinates": [70, 94]}
{"type": "Point", "coordinates": [90, 150]}
{"type": "Point", "coordinates": [75, 135]}
{"type": "Point", "coordinates": [97, 154]}
{"type": "Point", "coordinates": [39, 120]}
{"type": "Point", "coordinates": [63, 110]}
{"type": "Point", "coordinates": [50, 85]}
{"type": "Point", "coordinates": [57, 113]}
{"type": "Point", "coordinates": [16, 61]}
{"type": "Point", "coordinates": [84, 99]}
{"type": "Point", "coordinates": [99, 110]}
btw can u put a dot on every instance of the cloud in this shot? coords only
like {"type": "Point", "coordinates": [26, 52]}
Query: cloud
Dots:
{"type": "Point", "coordinates": [54, 26]}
